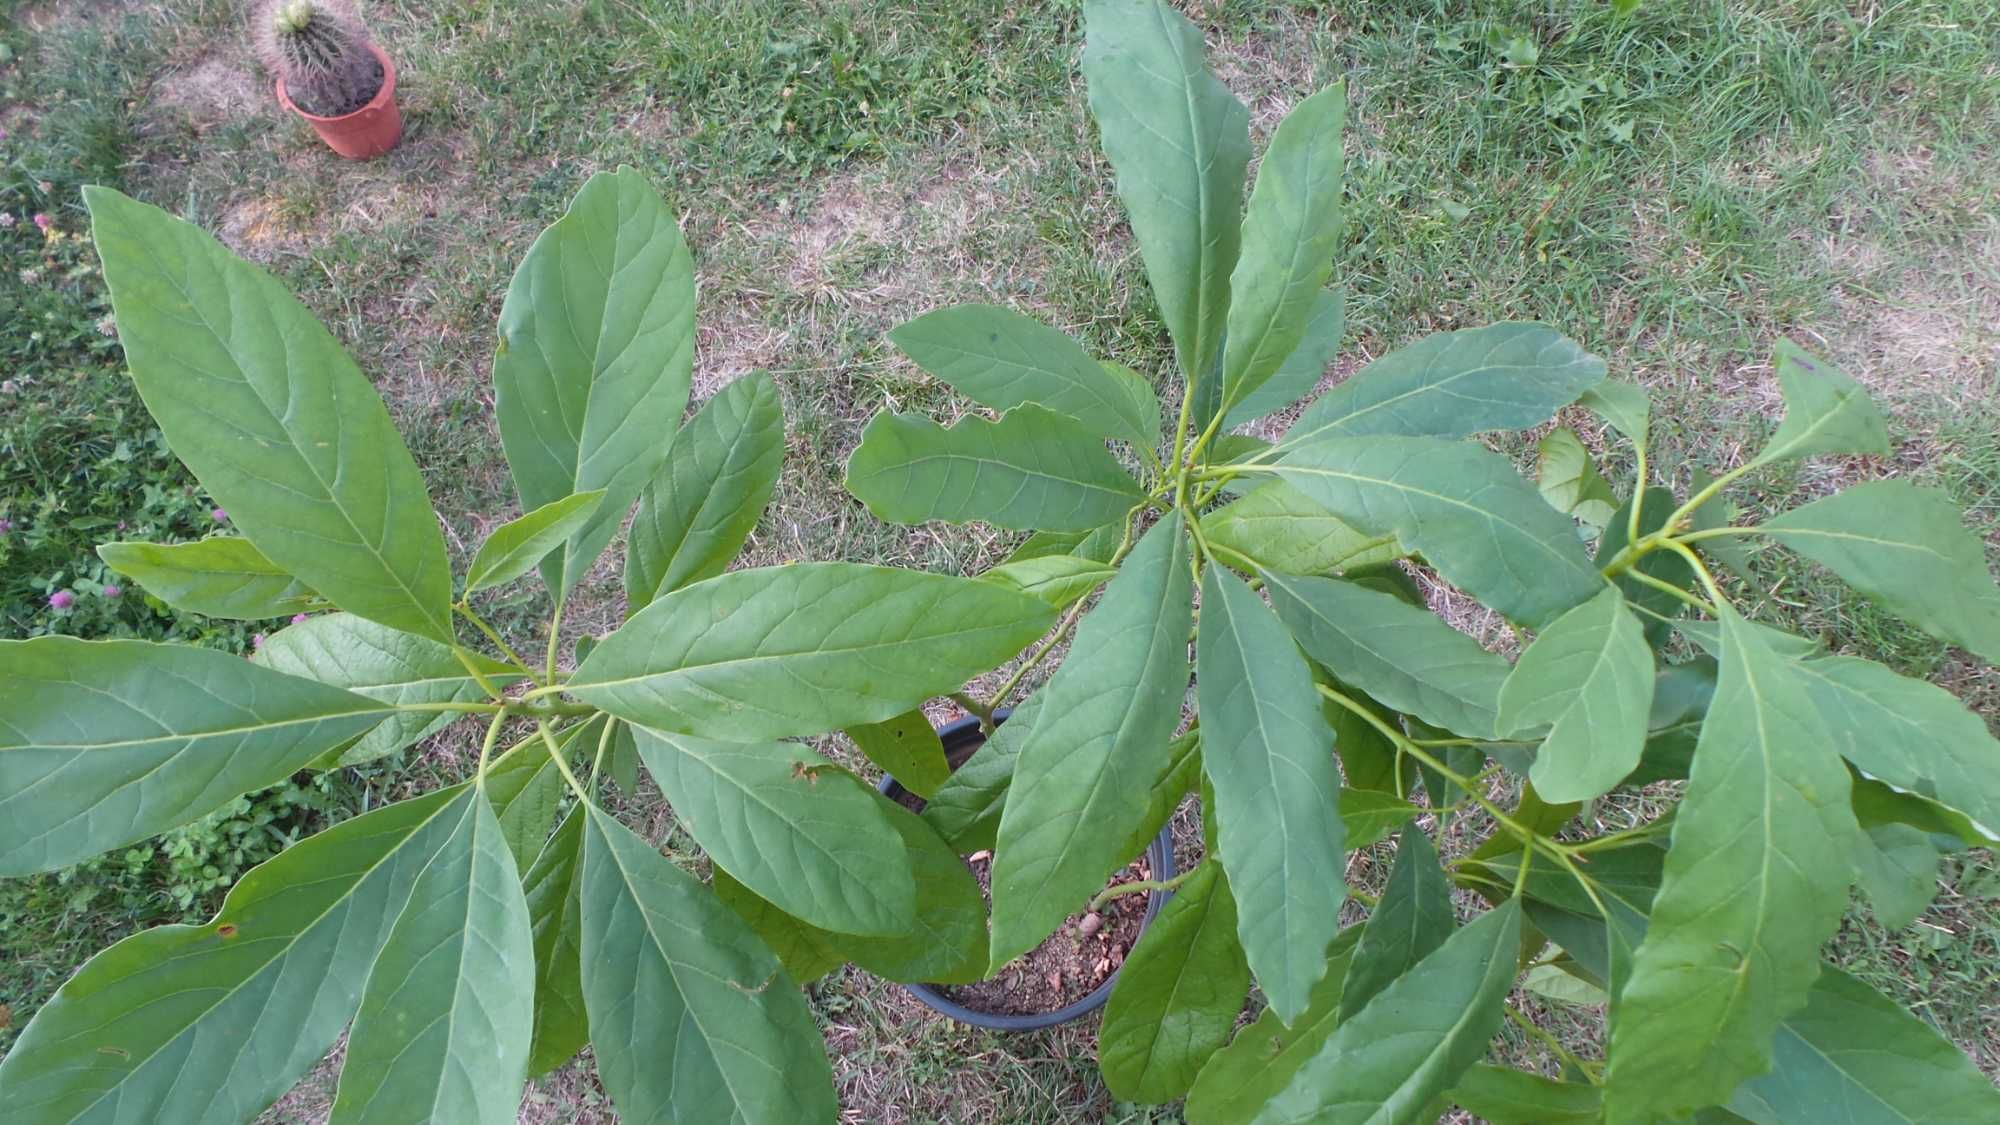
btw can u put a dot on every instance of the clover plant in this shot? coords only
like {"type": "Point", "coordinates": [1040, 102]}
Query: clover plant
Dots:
{"type": "Point", "coordinates": [1327, 694]}
{"type": "Point", "coordinates": [470, 937]}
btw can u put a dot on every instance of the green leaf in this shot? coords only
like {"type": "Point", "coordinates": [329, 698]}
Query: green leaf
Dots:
{"type": "Point", "coordinates": [1368, 816]}
{"type": "Point", "coordinates": [1502, 1096]}
{"type": "Point", "coordinates": [1412, 919]}
{"type": "Point", "coordinates": [1180, 145]}
{"type": "Point", "coordinates": [1911, 734]}
{"type": "Point", "coordinates": [697, 511]}
{"type": "Point", "coordinates": [907, 749]}
{"type": "Point", "coordinates": [1897, 867]}
{"type": "Point", "coordinates": [1099, 544]}
{"type": "Point", "coordinates": [946, 943]}
{"type": "Point", "coordinates": [965, 810]}
{"type": "Point", "coordinates": [1032, 468]}
{"type": "Point", "coordinates": [1852, 1054]}
{"type": "Point", "coordinates": [1367, 757]}
{"type": "Point", "coordinates": [1399, 654]}
{"type": "Point", "coordinates": [275, 420]}
{"type": "Point", "coordinates": [1137, 398]}
{"type": "Point", "coordinates": [1177, 995]}
{"type": "Point", "coordinates": [1299, 374]}
{"type": "Point", "coordinates": [1551, 982]}
{"type": "Point", "coordinates": [621, 760]}
{"type": "Point", "coordinates": [1180, 776]}
{"type": "Point", "coordinates": [1569, 480]}
{"type": "Point", "coordinates": [1680, 701]}
{"type": "Point", "coordinates": [444, 1025]}
{"type": "Point", "coordinates": [1275, 527]}
{"type": "Point", "coordinates": [792, 826]}
{"type": "Point", "coordinates": [1877, 803]}
{"type": "Point", "coordinates": [1826, 411]}
{"type": "Point", "coordinates": [1727, 550]}
{"type": "Point", "coordinates": [1589, 678]}
{"type": "Point", "coordinates": [1264, 1055]}
{"type": "Point", "coordinates": [106, 742]}
{"type": "Point", "coordinates": [596, 354]}
{"type": "Point", "coordinates": [526, 790]}
{"type": "Point", "coordinates": [518, 546]}
{"type": "Point", "coordinates": [1624, 405]}
{"type": "Point", "coordinates": [396, 668]}
{"type": "Point", "coordinates": [1416, 1039]}
{"type": "Point", "coordinates": [803, 649]}
{"type": "Point", "coordinates": [1101, 735]}
{"type": "Point", "coordinates": [153, 1028]}
{"type": "Point", "coordinates": [1505, 376]}
{"type": "Point", "coordinates": [561, 1028]}
{"type": "Point", "coordinates": [806, 951]}
{"type": "Point", "coordinates": [222, 576]}
{"type": "Point", "coordinates": [1907, 548]}
{"type": "Point", "coordinates": [1001, 359]}
{"type": "Point", "coordinates": [691, 1017]}
{"type": "Point", "coordinates": [1463, 508]}
{"type": "Point", "coordinates": [1269, 754]}
{"type": "Point", "coordinates": [1060, 580]}
{"type": "Point", "coordinates": [1755, 881]}
{"type": "Point", "coordinates": [1668, 566]}
{"type": "Point", "coordinates": [1291, 233]}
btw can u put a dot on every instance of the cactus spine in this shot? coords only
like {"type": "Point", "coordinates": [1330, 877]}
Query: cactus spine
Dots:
{"type": "Point", "coordinates": [320, 49]}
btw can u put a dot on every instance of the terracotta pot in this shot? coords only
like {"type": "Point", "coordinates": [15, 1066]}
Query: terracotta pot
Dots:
{"type": "Point", "coordinates": [369, 131]}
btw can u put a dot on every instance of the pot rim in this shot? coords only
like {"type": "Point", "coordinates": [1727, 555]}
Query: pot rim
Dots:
{"type": "Point", "coordinates": [382, 97]}
{"type": "Point", "coordinates": [1159, 856]}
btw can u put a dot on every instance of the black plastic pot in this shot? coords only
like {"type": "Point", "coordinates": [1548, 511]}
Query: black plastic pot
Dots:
{"type": "Point", "coordinates": [957, 736]}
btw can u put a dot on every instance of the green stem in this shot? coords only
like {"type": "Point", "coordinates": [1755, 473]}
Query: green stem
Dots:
{"type": "Point", "coordinates": [999, 698]}
{"type": "Point", "coordinates": [1138, 885]}
{"type": "Point", "coordinates": [1645, 579]}
{"type": "Point", "coordinates": [492, 736]}
{"type": "Point", "coordinates": [465, 610]}
{"type": "Point", "coordinates": [983, 711]}
{"type": "Point", "coordinates": [603, 743]}
{"type": "Point", "coordinates": [1583, 1067]}
{"type": "Point", "coordinates": [454, 706]}
{"type": "Point", "coordinates": [1638, 495]}
{"type": "Point", "coordinates": [555, 635]}
{"type": "Point", "coordinates": [1700, 569]}
{"type": "Point", "coordinates": [478, 677]}
{"type": "Point", "coordinates": [1716, 533]}
{"type": "Point", "coordinates": [555, 752]}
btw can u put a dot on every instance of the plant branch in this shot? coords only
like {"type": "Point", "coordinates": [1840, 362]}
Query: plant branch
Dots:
{"type": "Point", "coordinates": [983, 711]}
{"type": "Point", "coordinates": [555, 752]}
{"type": "Point", "coordinates": [555, 635]}
{"type": "Point", "coordinates": [1663, 586]}
{"type": "Point", "coordinates": [492, 736]}
{"type": "Point", "coordinates": [464, 609]}
{"type": "Point", "coordinates": [603, 743]}
{"type": "Point", "coordinates": [1582, 1066]}
{"type": "Point", "coordinates": [1716, 533]}
{"type": "Point", "coordinates": [1138, 885]}
{"type": "Point", "coordinates": [478, 677]}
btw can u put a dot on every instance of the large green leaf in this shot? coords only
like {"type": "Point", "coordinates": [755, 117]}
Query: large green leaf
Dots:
{"type": "Point", "coordinates": [1454, 384]}
{"type": "Point", "coordinates": [1002, 359]}
{"type": "Point", "coordinates": [1177, 995]}
{"type": "Point", "coordinates": [596, 354]}
{"type": "Point", "coordinates": [1410, 921]}
{"type": "Point", "coordinates": [696, 512]}
{"type": "Point", "coordinates": [806, 951]}
{"type": "Point", "coordinates": [1502, 1096]}
{"type": "Point", "coordinates": [803, 649]}
{"type": "Point", "coordinates": [790, 825]}
{"type": "Point", "coordinates": [1826, 411]}
{"type": "Point", "coordinates": [1414, 1040]}
{"type": "Point", "coordinates": [1907, 548]}
{"type": "Point", "coordinates": [1463, 508]}
{"type": "Point", "coordinates": [1098, 544]}
{"type": "Point", "coordinates": [517, 546]}
{"type": "Point", "coordinates": [561, 1027]}
{"type": "Point", "coordinates": [1180, 144]}
{"type": "Point", "coordinates": [222, 576]}
{"type": "Point", "coordinates": [1367, 816]}
{"type": "Point", "coordinates": [907, 749]}
{"type": "Point", "coordinates": [156, 1028]}
{"type": "Point", "coordinates": [1755, 881]}
{"type": "Point", "coordinates": [1033, 468]}
{"type": "Point", "coordinates": [1299, 374]}
{"type": "Point", "coordinates": [1569, 480]}
{"type": "Point", "coordinates": [1266, 1053]}
{"type": "Point", "coordinates": [1588, 677]}
{"type": "Point", "coordinates": [444, 1025]}
{"type": "Point", "coordinates": [691, 1017]}
{"type": "Point", "coordinates": [1291, 231]}
{"type": "Point", "coordinates": [946, 942]}
{"type": "Point", "coordinates": [107, 742]}
{"type": "Point", "coordinates": [1060, 580]}
{"type": "Point", "coordinates": [966, 808]}
{"type": "Point", "coordinates": [1896, 866]}
{"type": "Point", "coordinates": [1269, 754]}
{"type": "Point", "coordinates": [1909, 733]}
{"type": "Point", "coordinates": [383, 664]}
{"type": "Point", "coordinates": [1275, 527]}
{"type": "Point", "coordinates": [1101, 736]}
{"type": "Point", "coordinates": [1400, 654]}
{"type": "Point", "coordinates": [1717, 512]}
{"type": "Point", "coordinates": [1624, 405]}
{"type": "Point", "coordinates": [1853, 1055]}
{"type": "Point", "coordinates": [275, 420]}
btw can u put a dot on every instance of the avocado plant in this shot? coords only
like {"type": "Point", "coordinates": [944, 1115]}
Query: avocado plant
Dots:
{"type": "Point", "coordinates": [467, 938]}
{"type": "Point", "coordinates": [1327, 697]}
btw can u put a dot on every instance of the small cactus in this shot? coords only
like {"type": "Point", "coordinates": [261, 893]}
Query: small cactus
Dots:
{"type": "Point", "coordinates": [320, 50]}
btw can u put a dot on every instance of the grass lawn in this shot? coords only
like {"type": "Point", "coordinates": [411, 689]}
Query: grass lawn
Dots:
{"type": "Point", "coordinates": [1673, 189]}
